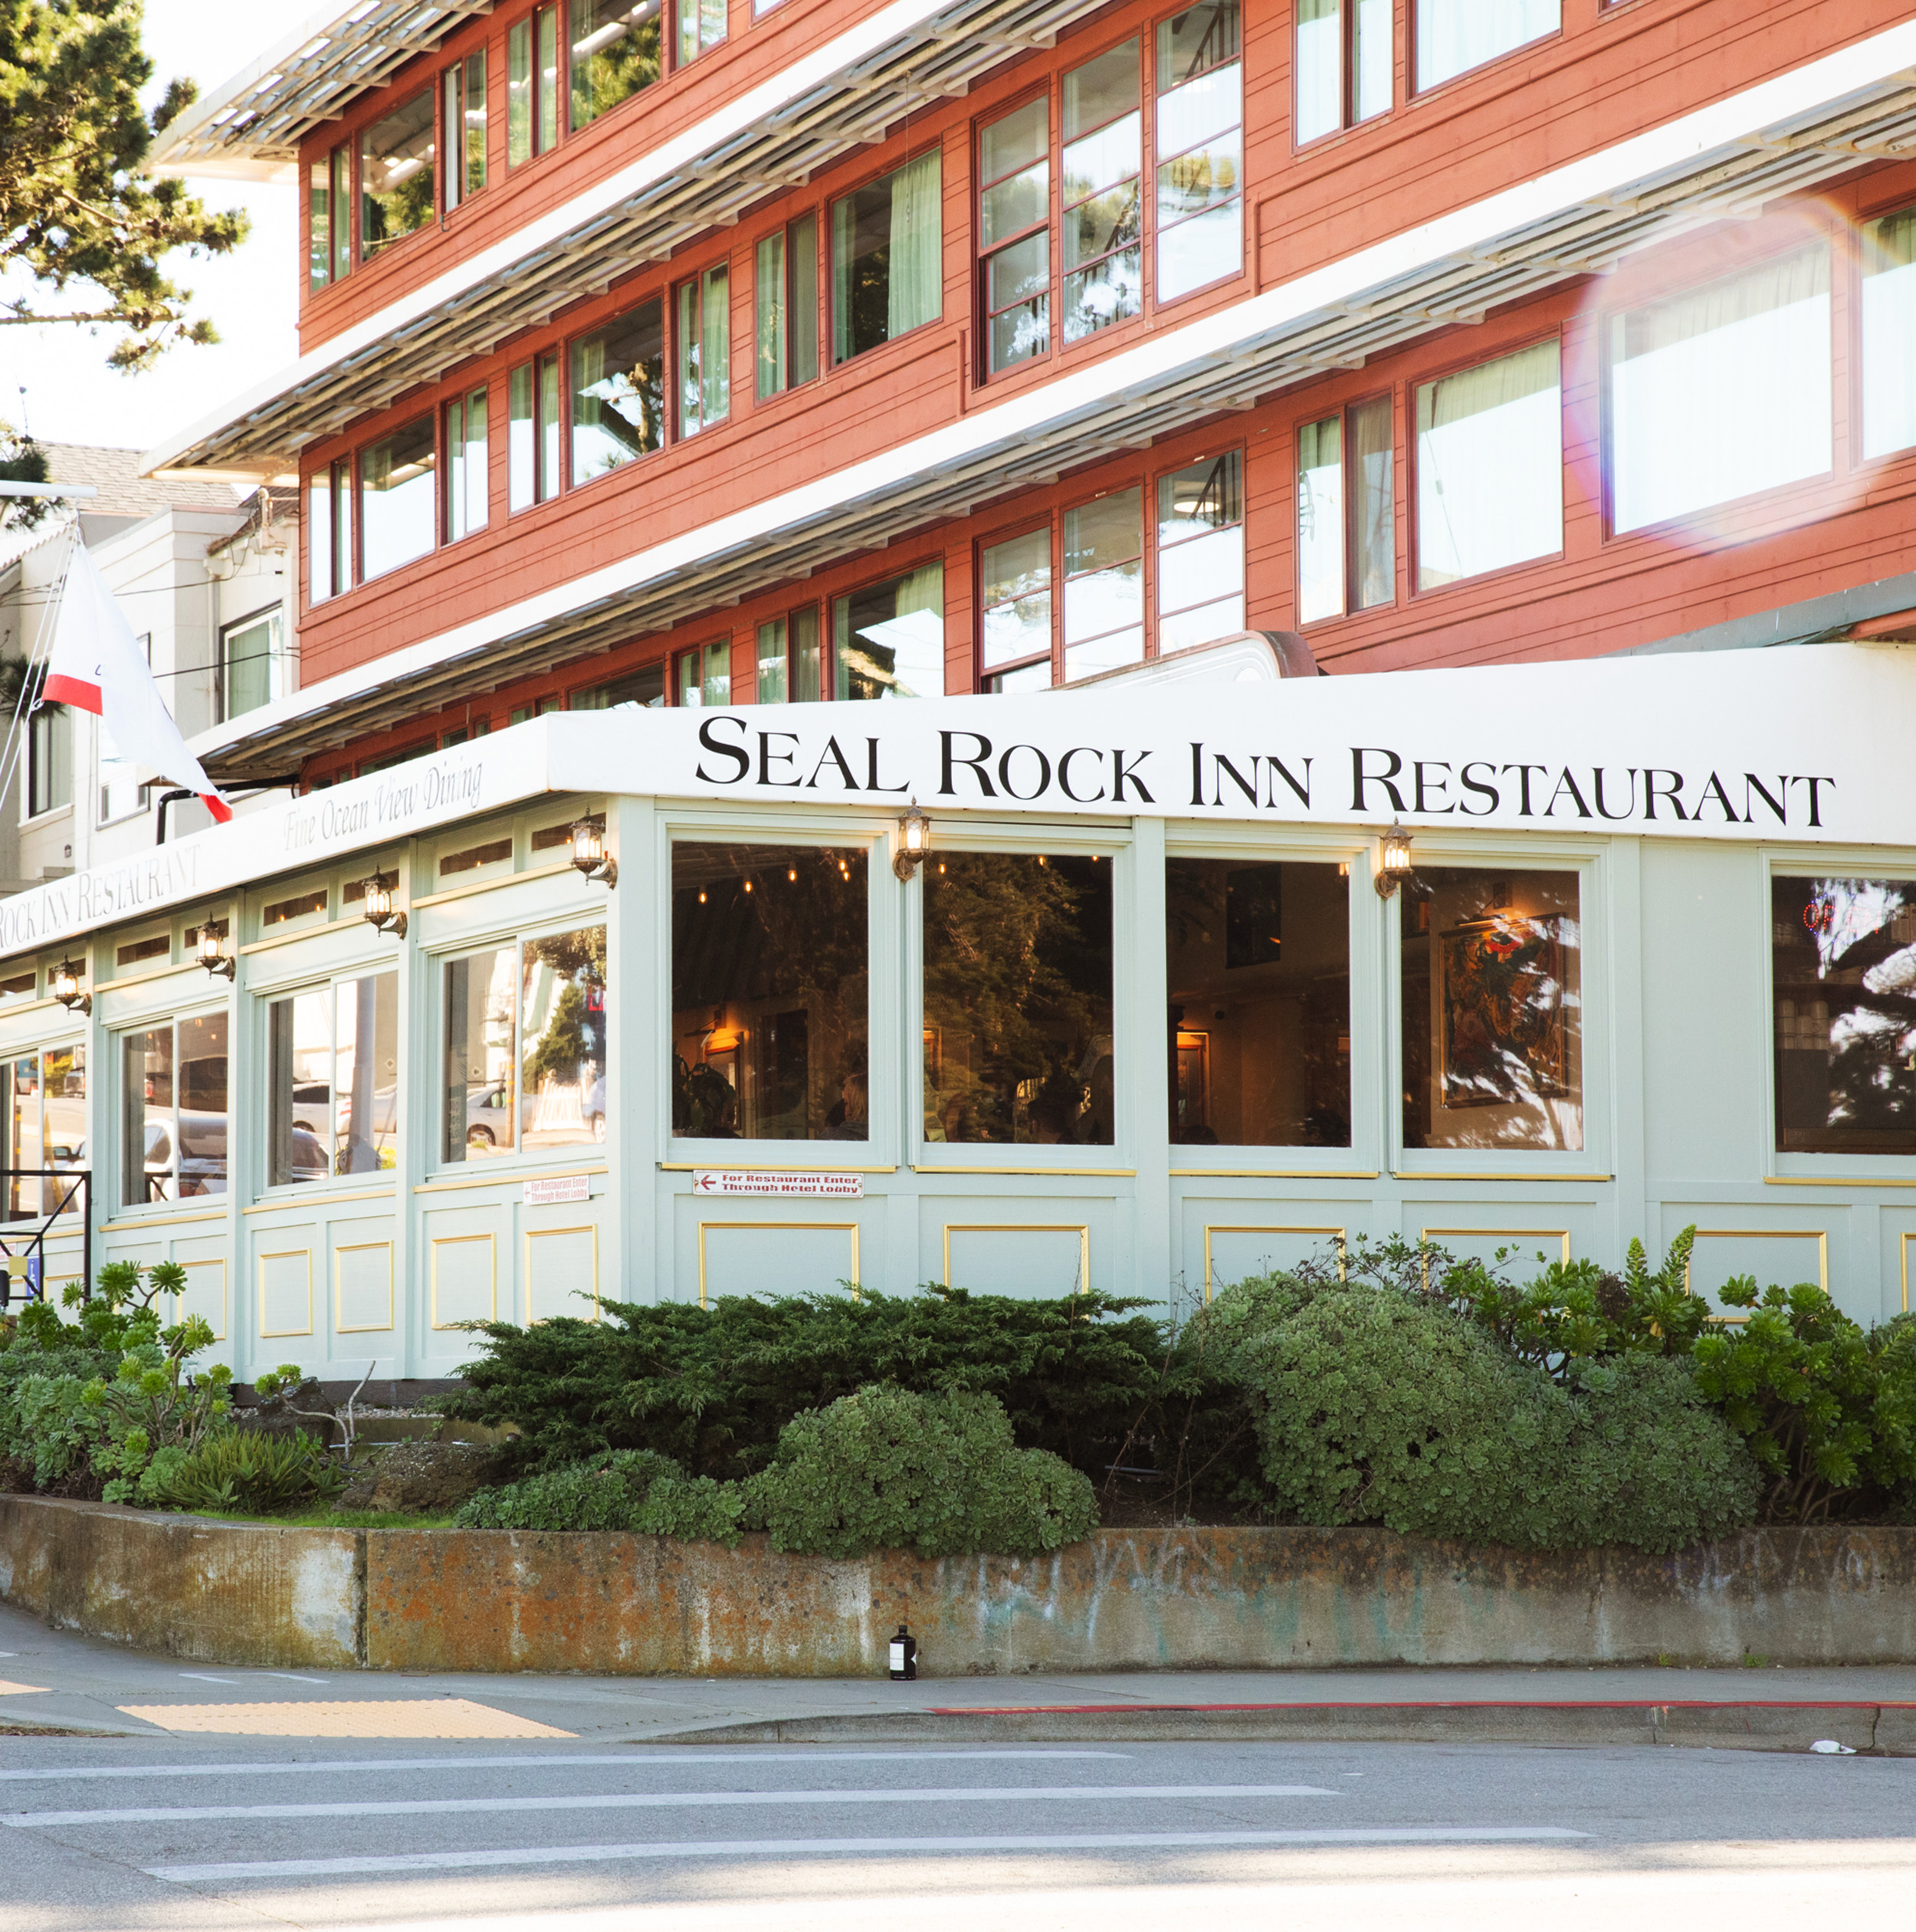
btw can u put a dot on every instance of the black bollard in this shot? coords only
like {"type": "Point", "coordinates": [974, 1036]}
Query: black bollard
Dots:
{"type": "Point", "coordinates": [905, 1656]}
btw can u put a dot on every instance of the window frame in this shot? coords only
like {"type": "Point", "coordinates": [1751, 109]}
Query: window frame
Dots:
{"type": "Point", "coordinates": [1348, 119]}
{"type": "Point", "coordinates": [222, 670]}
{"type": "Point", "coordinates": [829, 357]}
{"type": "Point", "coordinates": [456, 158]}
{"type": "Point", "coordinates": [265, 999]}
{"type": "Point", "coordinates": [1051, 93]}
{"type": "Point", "coordinates": [828, 621]}
{"type": "Point", "coordinates": [1155, 615]}
{"type": "Point", "coordinates": [357, 494]}
{"type": "Point", "coordinates": [789, 306]}
{"type": "Point", "coordinates": [1347, 544]}
{"type": "Point", "coordinates": [1849, 248]}
{"type": "Point", "coordinates": [580, 915]}
{"type": "Point", "coordinates": [1053, 525]}
{"type": "Point", "coordinates": [1154, 231]}
{"type": "Point", "coordinates": [1414, 92]}
{"type": "Point", "coordinates": [1411, 468]}
{"type": "Point", "coordinates": [1595, 1161]}
{"type": "Point", "coordinates": [119, 1105]}
{"type": "Point", "coordinates": [58, 727]}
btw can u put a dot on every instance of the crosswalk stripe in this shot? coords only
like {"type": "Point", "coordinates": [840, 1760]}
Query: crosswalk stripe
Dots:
{"type": "Point", "coordinates": [813, 1848]}
{"type": "Point", "coordinates": [681, 1756]}
{"type": "Point", "coordinates": [653, 1800]}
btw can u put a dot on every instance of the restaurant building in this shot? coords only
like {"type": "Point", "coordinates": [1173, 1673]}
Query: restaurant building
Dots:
{"type": "Point", "coordinates": [1073, 386]}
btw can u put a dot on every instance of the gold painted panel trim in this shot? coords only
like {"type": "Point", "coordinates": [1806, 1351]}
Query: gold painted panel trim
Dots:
{"type": "Point", "coordinates": [1079, 1229]}
{"type": "Point", "coordinates": [340, 1325]}
{"type": "Point", "coordinates": [492, 1255]}
{"type": "Point", "coordinates": [219, 1262]}
{"type": "Point", "coordinates": [1904, 1244]}
{"type": "Point", "coordinates": [1507, 1233]}
{"type": "Point", "coordinates": [1268, 1174]}
{"type": "Point", "coordinates": [1220, 1227]}
{"type": "Point", "coordinates": [823, 1227]}
{"type": "Point", "coordinates": [1816, 1180]}
{"type": "Point", "coordinates": [287, 1254]}
{"type": "Point", "coordinates": [548, 1234]}
{"type": "Point", "coordinates": [323, 1200]}
{"type": "Point", "coordinates": [1820, 1236]}
{"type": "Point", "coordinates": [1550, 1180]}
{"type": "Point", "coordinates": [513, 1179]}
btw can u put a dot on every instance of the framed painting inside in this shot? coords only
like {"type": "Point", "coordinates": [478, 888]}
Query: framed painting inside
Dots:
{"type": "Point", "coordinates": [1503, 1029]}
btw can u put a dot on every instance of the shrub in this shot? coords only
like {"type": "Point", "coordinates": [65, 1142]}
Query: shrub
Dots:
{"type": "Point", "coordinates": [245, 1469]}
{"type": "Point", "coordinates": [632, 1490]}
{"type": "Point", "coordinates": [1386, 1408]}
{"type": "Point", "coordinates": [712, 1388]}
{"type": "Point", "coordinates": [889, 1468]}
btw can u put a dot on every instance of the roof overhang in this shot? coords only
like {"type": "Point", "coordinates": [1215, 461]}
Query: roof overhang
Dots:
{"type": "Point", "coordinates": [1728, 159]}
{"type": "Point", "coordinates": [909, 56]}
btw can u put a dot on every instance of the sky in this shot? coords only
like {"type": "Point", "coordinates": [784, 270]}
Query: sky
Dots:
{"type": "Point", "coordinates": [252, 296]}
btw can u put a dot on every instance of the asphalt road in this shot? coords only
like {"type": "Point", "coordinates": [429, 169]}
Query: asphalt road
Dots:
{"type": "Point", "coordinates": [126, 1834]}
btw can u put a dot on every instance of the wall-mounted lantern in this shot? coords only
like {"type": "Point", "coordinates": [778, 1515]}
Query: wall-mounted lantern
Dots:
{"type": "Point", "coordinates": [66, 987]}
{"type": "Point", "coordinates": [377, 906]}
{"type": "Point", "coordinates": [914, 843]}
{"type": "Point", "coordinates": [1393, 861]}
{"type": "Point", "coordinates": [589, 854]}
{"type": "Point", "coordinates": [212, 953]}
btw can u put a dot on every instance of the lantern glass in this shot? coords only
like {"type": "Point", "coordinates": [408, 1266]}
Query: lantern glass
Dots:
{"type": "Point", "coordinates": [379, 901]}
{"type": "Point", "coordinates": [589, 844]}
{"type": "Point", "coordinates": [66, 985]}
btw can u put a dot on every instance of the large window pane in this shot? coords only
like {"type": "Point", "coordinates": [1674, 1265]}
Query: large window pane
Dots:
{"type": "Point", "coordinates": [1491, 976]}
{"type": "Point", "coordinates": [246, 653]}
{"type": "Point", "coordinates": [482, 1070]}
{"type": "Point", "coordinates": [1017, 1014]}
{"type": "Point", "coordinates": [299, 1041]}
{"type": "Point", "coordinates": [1200, 148]}
{"type": "Point", "coordinates": [25, 1147]}
{"type": "Point", "coordinates": [615, 52]}
{"type": "Point", "coordinates": [788, 659]}
{"type": "Point", "coordinates": [1320, 553]}
{"type": "Point", "coordinates": [1258, 960]}
{"type": "Point", "coordinates": [395, 174]}
{"type": "Point", "coordinates": [1104, 584]}
{"type": "Point", "coordinates": [770, 988]}
{"type": "Point", "coordinates": [1373, 505]}
{"type": "Point", "coordinates": [1016, 594]}
{"type": "Point", "coordinates": [468, 483]}
{"type": "Point", "coordinates": [1490, 467]}
{"type": "Point", "coordinates": [1889, 334]}
{"type": "Point", "coordinates": [888, 640]}
{"type": "Point", "coordinates": [333, 1081]}
{"type": "Point", "coordinates": [149, 1146]}
{"type": "Point", "coordinates": [1200, 552]}
{"type": "Point", "coordinates": [1014, 164]}
{"type": "Point", "coordinates": [562, 1039]}
{"type": "Point", "coordinates": [202, 1105]}
{"type": "Point", "coordinates": [705, 676]}
{"type": "Point", "coordinates": [704, 350]}
{"type": "Point", "coordinates": [64, 1079]}
{"type": "Point", "coordinates": [886, 269]}
{"type": "Point", "coordinates": [1453, 36]}
{"type": "Point", "coordinates": [618, 391]}
{"type": "Point", "coordinates": [1100, 192]}
{"type": "Point", "coordinates": [319, 213]}
{"type": "Point", "coordinates": [1843, 955]}
{"type": "Point", "coordinates": [701, 26]}
{"type": "Point", "coordinates": [1683, 435]}
{"type": "Point", "coordinates": [398, 507]}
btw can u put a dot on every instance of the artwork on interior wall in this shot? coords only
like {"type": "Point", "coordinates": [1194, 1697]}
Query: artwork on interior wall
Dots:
{"type": "Point", "coordinates": [1504, 1034]}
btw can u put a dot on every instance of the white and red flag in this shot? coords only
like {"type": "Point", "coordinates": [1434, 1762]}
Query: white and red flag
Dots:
{"type": "Point", "coordinates": [96, 666]}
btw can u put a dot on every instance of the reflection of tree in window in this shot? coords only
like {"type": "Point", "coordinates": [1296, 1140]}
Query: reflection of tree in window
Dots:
{"type": "Point", "coordinates": [770, 970]}
{"type": "Point", "coordinates": [1018, 999]}
{"type": "Point", "coordinates": [562, 1034]}
{"type": "Point", "coordinates": [1844, 969]}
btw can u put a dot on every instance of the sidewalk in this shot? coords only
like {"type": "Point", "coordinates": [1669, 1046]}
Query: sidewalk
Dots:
{"type": "Point", "coordinates": [56, 1680]}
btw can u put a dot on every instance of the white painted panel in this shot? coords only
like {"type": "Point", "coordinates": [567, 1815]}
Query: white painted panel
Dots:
{"type": "Point", "coordinates": [1479, 1237]}
{"type": "Point", "coordinates": [465, 1276]}
{"type": "Point", "coordinates": [561, 1273]}
{"type": "Point", "coordinates": [775, 1257]}
{"type": "Point", "coordinates": [1783, 1255]}
{"type": "Point", "coordinates": [363, 1286]}
{"type": "Point", "coordinates": [285, 1292]}
{"type": "Point", "coordinates": [1232, 1249]}
{"type": "Point", "coordinates": [1046, 1259]}
{"type": "Point", "coordinates": [205, 1293]}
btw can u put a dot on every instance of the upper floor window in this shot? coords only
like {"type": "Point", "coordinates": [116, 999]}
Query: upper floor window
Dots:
{"type": "Point", "coordinates": [49, 760]}
{"type": "Point", "coordinates": [1889, 333]}
{"type": "Point", "coordinates": [247, 652]}
{"type": "Point", "coordinates": [398, 497]}
{"type": "Point", "coordinates": [1200, 148]}
{"type": "Point", "coordinates": [1015, 590]}
{"type": "Point", "coordinates": [705, 676]}
{"type": "Point", "coordinates": [785, 300]}
{"type": "Point", "coordinates": [1104, 584]}
{"type": "Point", "coordinates": [1345, 64]}
{"type": "Point", "coordinates": [1684, 435]}
{"type": "Point", "coordinates": [329, 217]}
{"type": "Point", "coordinates": [468, 484]}
{"type": "Point", "coordinates": [1200, 552]}
{"type": "Point", "coordinates": [618, 381]}
{"type": "Point", "coordinates": [788, 659]}
{"type": "Point", "coordinates": [1451, 37]}
{"type": "Point", "coordinates": [704, 350]}
{"type": "Point", "coordinates": [464, 115]}
{"type": "Point", "coordinates": [329, 532]}
{"type": "Point", "coordinates": [1101, 192]}
{"type": "Point", "coordinates": [615, 52]}
{"type": "Point", "coordinates": [1347, 512]}
{"type": "Point", "coordinates": [888, 640]}
{"type": "Point", "coordinates": [1490, 467]}
{"type": "Point", "coordinates": [396, 174]}
{"type": "Point", "coordinates": [532, 85]}
{"type": "Point", "coordinates": [1014, 233]}
{"type": "Point", "coordinates": [532, 432]}
{"type": "Point", "coordinates": [887, 270]}
{"type": "Point", "coordinates": [701, 26]}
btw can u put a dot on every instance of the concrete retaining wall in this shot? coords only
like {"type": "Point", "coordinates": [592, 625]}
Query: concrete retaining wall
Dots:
{"type": "Point", "coordinates": [507, 1600]}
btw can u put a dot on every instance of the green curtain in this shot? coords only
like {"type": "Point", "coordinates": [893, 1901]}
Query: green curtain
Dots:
{"type": "Point", "coordinates": [915, 293]}
{"type": "Point", "coordinates": [715, 345]}
{"type": "Point", "coordinates": [844, 228]}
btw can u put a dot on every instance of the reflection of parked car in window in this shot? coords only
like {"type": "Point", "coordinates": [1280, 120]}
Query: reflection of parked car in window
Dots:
{"type": "Point", "coordinates": [488, 1116]}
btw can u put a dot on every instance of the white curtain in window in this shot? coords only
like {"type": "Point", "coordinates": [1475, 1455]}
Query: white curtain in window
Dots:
{"type": "Point", "coordinates": [1320, 520]}
{"type": "Point", "coordinates": [1320, 67]}
{"type": "Point", "coordinates": [1889, 335]}
{"type": "Point", "coordinates": [1721, 391]}
{"type": "Point", "coordinates": [1490, 467]}
{"type": "Point", "coordinates": [1456, 35]}
{"type": "Point", "coordinates": [916, 292]}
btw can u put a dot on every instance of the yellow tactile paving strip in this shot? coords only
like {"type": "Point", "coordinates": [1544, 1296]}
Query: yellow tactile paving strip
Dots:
{"type": "Point", "coordinates": [21, 1689]}
{"type": "Point", "coordinates": [371, 1717]}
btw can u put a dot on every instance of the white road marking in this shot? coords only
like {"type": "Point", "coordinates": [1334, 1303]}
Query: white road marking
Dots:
{"type": "Point", "coordinates": [194, 1874]}
{"type": "Point", "coordinates": [664, 1800]}
{"type": "Point", "coordinates": [200, 1677]}
{"type": "Point", "coordinates": [685, 1755]}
